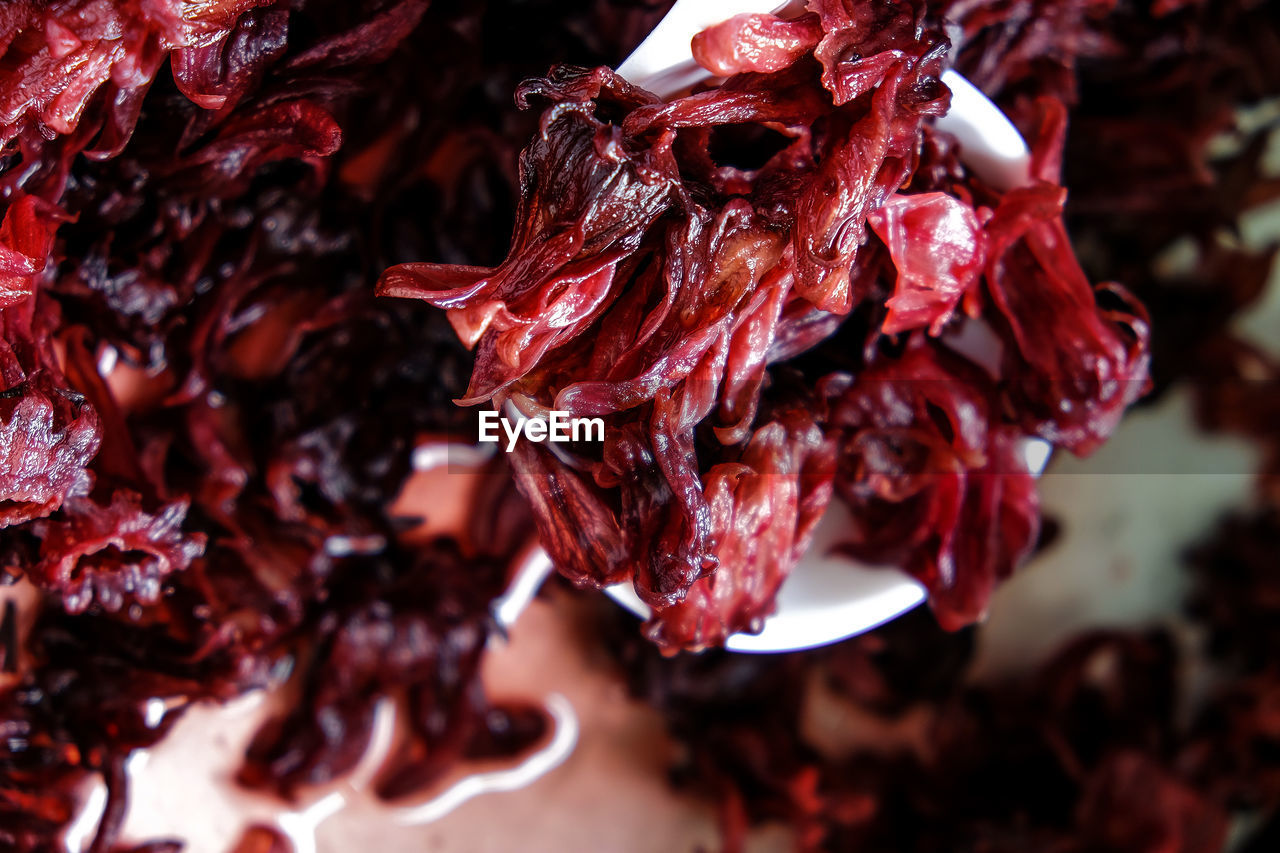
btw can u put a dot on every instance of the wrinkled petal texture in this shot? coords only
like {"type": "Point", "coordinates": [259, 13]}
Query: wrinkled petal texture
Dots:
{"type": "Point", "coordinates": [115, 553]}
{"type": "Point", "coordinates": [667, 257]}
{"type": "Point", "coordinates": [57, 55]}
{"type": "Point", "coordinates": [45, 446]}
{"type": "Point", "coordinates": [755, 42]}
{"type": "Point", "coordinates": [1076, 367]}
{"type": "Point", "coordinates": [763, 512]}
{"type": "Point", "coordinates": [934, 486]}
{"type": "Point", "coordinates": [48, 433]}
{"type": "Point", "coordinates": [26, 235]}
{"type": "Point", "coordinates": [936, 244]}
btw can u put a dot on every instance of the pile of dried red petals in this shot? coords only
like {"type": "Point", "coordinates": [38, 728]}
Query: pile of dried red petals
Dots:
{"type": "Point", "coordinates": [206, 414]}
{"type": "Point", "coordinates": [700, 273]}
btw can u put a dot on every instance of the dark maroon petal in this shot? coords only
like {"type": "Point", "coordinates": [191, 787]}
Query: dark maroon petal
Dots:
{"type": "Point", "coordinates": [295, 130]}
{"type": "Point", "coordinates": [113, 554]}
{"type": "Point", "coordinates": [217, 75]}
{"type": "Point", "coordinates": [934, 487]}
{"type": "Point", "coordinates": [48, 433]}
{"type": "Point", "coordinates": [370, 41]}
{"type": "Point", "coordinates": [763, 511]}
{"type": "Point", "coordinates": [577, 527]}
{"type": "Point", "coordinates": [1076, 362]}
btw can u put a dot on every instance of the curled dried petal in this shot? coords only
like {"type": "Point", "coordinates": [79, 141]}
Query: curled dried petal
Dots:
{"type": "Point", "coordinates": [26, 235]}
{"type": "Point", "coordinates": [114, 553]}
{"type": "Point", "coordinates": [936, 243]}
{"type": "Point", "coordinates": [1076, 361]}
{"type": "Point", "coordinates": [755, 42]}
{"type": "Point", "coordinates": [48, 433]}
{"type": "Point", "coordinates": [57, 56]}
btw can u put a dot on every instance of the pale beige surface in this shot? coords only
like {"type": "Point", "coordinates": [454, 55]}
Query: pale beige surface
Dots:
{"type": "Point", "coordinates": [609, 795]}
{"type": "Point", "coordinates": [1127, 513]}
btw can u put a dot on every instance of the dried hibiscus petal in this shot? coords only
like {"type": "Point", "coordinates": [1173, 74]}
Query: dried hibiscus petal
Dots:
{"type": "Point", "coordinates": [936, 243]}
{"type": "Point", "coordinates": [114, 553]}
{"type": "Point", "coordinates": [215, 75]}
{"type": "Point", "coordinates": [26, 235]}
{"type": "Point", "coordinates": [46, 442]}
{"type": "Point", "coordinates": [402, 624]}
{"type": "Point", "coordinates": [48, 434]}
{"type": "Point", "coordinates": [763, 510]}
{"type": "Point", "coordinates": [866, 159]}
{"type": "Point", "coordinates": [647, 283]}
{"type": "Point", "coordinates": [755, 42]}
{"type": "Point", "coordinates": [57, 56]}
{"type": "Point", "coordinates": [222, 258]}
{"type": "Point", "coordinates": [1078, 356]}
{"type": "Point", "coordinates": [583, 209]}
{"type": "Point", "coordinates": [934, 486]}
{"type": "Point", "coordinates": [208, 303]}
{"type": "Point", "coordinates": [657, 282]}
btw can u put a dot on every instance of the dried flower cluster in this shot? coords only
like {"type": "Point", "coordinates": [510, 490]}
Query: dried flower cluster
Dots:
{"type": "Point", "coordinates": [207, 413]}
